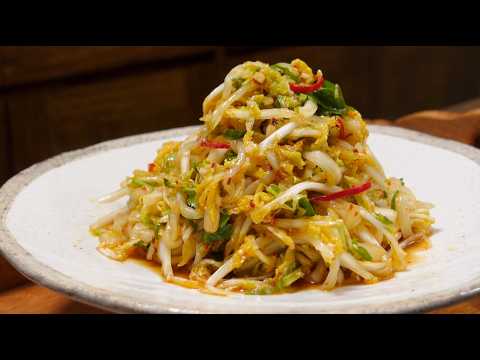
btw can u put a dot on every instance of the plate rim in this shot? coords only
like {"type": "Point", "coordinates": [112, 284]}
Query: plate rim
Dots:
{"type": "Point", "coordinates": [46, 276]}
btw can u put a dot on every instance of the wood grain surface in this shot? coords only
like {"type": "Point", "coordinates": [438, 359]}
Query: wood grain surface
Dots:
{"type": "Point", "coordinates": [463, 127]}
{"type": "Point", "coordinates": [30, 298]}
{"type": "Point", "coordinates": [21, 65]}
{"type": "Point", "coordinates": [9, 277]}
{"type": "Point", "coordinates": [57, 119]}
{"type": "Point", "coordinates": [4, 142]}
{"type": "Point", "coordinates": [34, 299]}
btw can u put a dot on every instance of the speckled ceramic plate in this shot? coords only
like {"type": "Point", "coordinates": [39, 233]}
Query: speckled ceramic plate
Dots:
{"type": "Point", "coordinates": [46, 210]}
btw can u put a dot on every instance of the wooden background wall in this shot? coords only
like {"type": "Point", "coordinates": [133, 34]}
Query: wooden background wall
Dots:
{"type": "Point", "coordinates": [56, 99]}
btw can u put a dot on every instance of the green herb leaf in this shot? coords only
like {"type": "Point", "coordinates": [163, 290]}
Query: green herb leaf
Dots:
{"type": "Point", "coordinates": [360, 251]}
{"type": "Point", "coordinates": [234, 134]}
{"type": "Point", "coordinates": [224, 218]}
{"type": "Point", "coordinates": [402, 181]}
{"type": "Point", "coordinates": [307, 206]}
{"type": "Point", "coordinates": [167, 183]}
{"type": "Point", "coordinates": [221, 234]}
{"type": "Point", "coordinates": [224, 230]}
{"type": "Point", "coordinates": [274, 189]}
{"type": "Point", "coordinates": [329, 99]}
{"type": "Point", "coordinates": [394, 200]}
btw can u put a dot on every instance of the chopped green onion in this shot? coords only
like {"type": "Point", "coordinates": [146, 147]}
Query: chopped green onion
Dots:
{"type": "Point", "coordinates": [139, 182]}
{"type": "Point", "coordinates": [167, 183]}
{"type": "Point", "coordinates": [307, 206]}
{"type": "Point", "coordinates": [234, 134]}
{"type": "Point", "coordinates": [230, 155]}
{"type": "Point", "coordinates": [237, 82]}
{"type": "Point", "coordinates": [274, 189]}
{"type": "Point", "coordinates": [360, 251]}
{"type": "Point", "coordinates": [394, 200]}
{"type": "Point", "coordinates": [288, 279]}
{"type": "Point", "coordinates": [384, 220]}
{"type": "Point", "coordinates": [402, 181]}
{"type": "Point", "coordinates": [286, 69]}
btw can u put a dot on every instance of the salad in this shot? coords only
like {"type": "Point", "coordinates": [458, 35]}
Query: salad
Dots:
{"type": "Point", "coordinates": [277, 189]}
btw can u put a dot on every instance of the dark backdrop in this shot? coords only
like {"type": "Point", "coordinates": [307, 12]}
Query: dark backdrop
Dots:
{"type": "Point", "coordinates": [55, 99]}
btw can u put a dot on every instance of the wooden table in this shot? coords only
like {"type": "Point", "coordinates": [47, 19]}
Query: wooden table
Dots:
{"type": "Point", "coordinates": [23, 297]}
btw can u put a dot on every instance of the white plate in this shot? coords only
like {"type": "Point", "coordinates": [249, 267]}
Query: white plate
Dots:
{"type": "Point", "coordinates": [47, 209]}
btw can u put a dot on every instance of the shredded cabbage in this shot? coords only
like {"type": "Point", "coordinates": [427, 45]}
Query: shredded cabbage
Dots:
{"type": "Point", "coordinates": [237, 206]}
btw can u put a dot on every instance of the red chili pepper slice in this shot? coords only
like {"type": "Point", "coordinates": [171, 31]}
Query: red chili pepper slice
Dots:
{"type": "Point", "coordinates": [344, 193]}
{"type": "Point", "coordinates": [307, 89]}
{"type": "Point", "coordinates": [214, 144]}
{"type": "Point", "coordinates": [343, 135]}
{"type": "Point", "coordinates": [152, 167]}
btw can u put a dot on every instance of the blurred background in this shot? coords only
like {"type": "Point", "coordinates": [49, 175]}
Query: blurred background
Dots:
{"type": "Point", "coordinates": [55, 99]}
